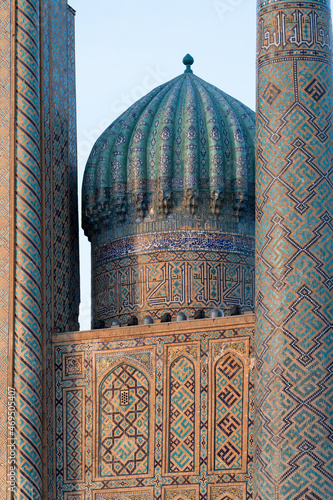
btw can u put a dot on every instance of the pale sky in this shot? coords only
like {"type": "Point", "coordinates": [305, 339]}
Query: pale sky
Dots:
{"type": "Point", "coordinates": [124, 49]}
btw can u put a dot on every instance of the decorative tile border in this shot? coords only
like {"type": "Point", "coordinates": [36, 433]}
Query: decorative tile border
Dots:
{"type": "Point", "coordinates": [171, 281]}
{"type": "Point", "coordinates": [28, 252]}
{"type": "Point", "coordinates": [227, 491]}
{"type": "Point", "coordinates": [174, 240]}
{"type": "Point", "coordinates": [74, 434]}
{"type": "Point", "coordinates": [188, 492]}
{"type": "Point", "coordinates": [128, 494]}
{"type": "Point", "coordinates": [75, 495]}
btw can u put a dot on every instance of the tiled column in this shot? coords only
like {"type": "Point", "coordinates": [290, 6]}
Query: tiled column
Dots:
{"type": "Point", "coordinates": [5, 167]}
{"type": "Point", "coordinates": [28, 255]}
{"type": "Point", "coordinates": [294, 294]}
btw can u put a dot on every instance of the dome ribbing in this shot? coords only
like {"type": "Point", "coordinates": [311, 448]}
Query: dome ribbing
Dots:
{"type": "Point", "coordinates": [185, 142]}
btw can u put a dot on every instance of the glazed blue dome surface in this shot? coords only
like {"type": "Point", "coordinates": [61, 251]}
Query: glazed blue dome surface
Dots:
{"type": "Point", "coordinates": [183, 145]}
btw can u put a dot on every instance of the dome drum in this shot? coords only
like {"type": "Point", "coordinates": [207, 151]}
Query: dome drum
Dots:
{"type": "Point", "coordinates": [170, 272]}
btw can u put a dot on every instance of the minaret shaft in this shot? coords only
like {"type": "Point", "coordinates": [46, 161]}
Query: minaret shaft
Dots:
{"type": "Point", "coordinates": [294, 294]}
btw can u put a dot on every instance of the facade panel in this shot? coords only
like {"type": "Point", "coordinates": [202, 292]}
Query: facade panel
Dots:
{"type": "Point", "coordinates": [150, 398]}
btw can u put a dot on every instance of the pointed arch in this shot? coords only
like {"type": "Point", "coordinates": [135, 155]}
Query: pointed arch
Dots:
{"type": "Point", "coordinates": [228, 413]}
{"type": "Point", "coordinates": [124, 422]}
{"type": "Point", "coordinates": [181, 422]}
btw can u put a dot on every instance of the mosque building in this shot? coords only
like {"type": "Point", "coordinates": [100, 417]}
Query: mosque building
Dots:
{"type": "Point", "coordinates": [207, 374]}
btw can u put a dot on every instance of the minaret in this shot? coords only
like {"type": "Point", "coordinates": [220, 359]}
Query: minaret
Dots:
{"type": "Point", "coordinates": [39, 273]}
{"type": "Point", "coordinates": [294, 294]}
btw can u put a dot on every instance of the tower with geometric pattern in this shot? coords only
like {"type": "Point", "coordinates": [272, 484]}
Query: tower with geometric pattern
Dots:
{"type": "Point", "coordinates": [39, 265]}
{"type": "Point", "coordinates": [294, 245]}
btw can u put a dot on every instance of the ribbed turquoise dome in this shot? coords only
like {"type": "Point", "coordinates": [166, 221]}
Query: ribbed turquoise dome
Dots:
{"type": "Point", "coordinates": [186, 147]}
{"type": "Point", "coordinates": [168, 204]}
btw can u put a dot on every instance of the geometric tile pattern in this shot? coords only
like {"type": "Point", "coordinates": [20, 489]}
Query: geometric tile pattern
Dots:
{"type": "Point", "coordinates": [59, 157]}
{"type": "Point", "coordinates": [181, 422]}
{"type": "Point", "coordinates": [58, 78]}
{"type": "Point", "coordinates": [228, 425]}
{"type": "Point", "coordinates": [48, 400]}
{"type": "Point", "coordinates": [229, 410]}
{"type": "Point", "coordinates": [73, 434]}
{"type": "Point", "coordinates": [182, 416]}
{"type": "Point", "coordinates": [26, 183]}
{"type": "Point", "coordinates": [73, 366]}
{"type": "Point", "coordinates": [72, 301]}
{"type": "Point", "coordinates": [124, 416]}
{"type": "Point", "coordinates": [124, 404]}
{"type": "Point", "coordinates": [65, 271]}
{"type": "Point", "coordinates": [167, 281]}
{"type": "Point", "coordinates": [294, 255]}
{"type": "Point", "coordinates": [29, 115]}
{"type": "Point", "coordinates": [5, 124]}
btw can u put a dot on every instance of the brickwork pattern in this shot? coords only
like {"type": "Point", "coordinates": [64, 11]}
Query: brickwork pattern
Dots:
{"type": "Point", "coordinates": [32, 273]}
{"type": "Point", "coordinates": [294, 444]}
{"type": "Point", "coordinates": [47, 127]}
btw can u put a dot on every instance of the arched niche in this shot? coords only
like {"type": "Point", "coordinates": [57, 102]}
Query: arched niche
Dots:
{"type": "Point", "coordinates": [228, 412]}
{"type": "Point", "coordinates": [124, 416]}
{"type": "Point", "coordinates": [182, 414]}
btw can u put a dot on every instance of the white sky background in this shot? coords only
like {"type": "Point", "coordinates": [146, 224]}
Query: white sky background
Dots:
{"type": "Point", "coordinates": [126, 48]}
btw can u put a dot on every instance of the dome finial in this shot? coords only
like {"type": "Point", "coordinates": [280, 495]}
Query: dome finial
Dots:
{"type": "Point", "coordinates": [188, 61]}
